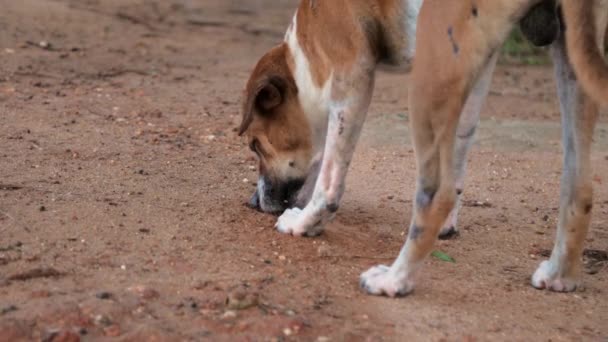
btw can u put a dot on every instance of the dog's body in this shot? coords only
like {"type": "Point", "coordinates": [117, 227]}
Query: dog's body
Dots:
{"type": "Point", "coordinates": [307, 100]}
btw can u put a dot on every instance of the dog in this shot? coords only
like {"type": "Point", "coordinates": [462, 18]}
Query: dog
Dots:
{"type": "Point", "coordinates": [307, 98]}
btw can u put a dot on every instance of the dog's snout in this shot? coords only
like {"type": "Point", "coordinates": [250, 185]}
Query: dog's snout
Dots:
{"type": "Point", "coordinates": [274, 197]}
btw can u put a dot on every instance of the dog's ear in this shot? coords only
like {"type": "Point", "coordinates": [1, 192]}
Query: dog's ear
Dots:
{"type": "Point", "coordinates": [265, 96]}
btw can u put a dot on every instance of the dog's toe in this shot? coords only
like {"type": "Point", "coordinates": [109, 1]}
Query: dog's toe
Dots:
{"type": "Point", "coordinates": [379, 281]}
{"type": "Point", "coordinates": [547, 277]}
{"type": "Point", "coordinates": [294, 222]}
{"type": "Point", "coordinates": [314, 232]}
{"type": "Point", "coordinates": [449, 233]}
{"type": "Point", "coordinates": [288, 222]}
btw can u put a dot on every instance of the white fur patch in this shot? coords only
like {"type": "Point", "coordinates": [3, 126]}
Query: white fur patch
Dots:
{"type": "Point", "coordinates": [296, 222]}
{"type": "Point", "coordinates": [412, 9]}
{"type": "Point", "coordinates": [313, 99]}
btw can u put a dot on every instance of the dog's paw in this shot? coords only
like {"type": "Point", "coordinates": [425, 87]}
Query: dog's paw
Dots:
{"type": "Point", "coordinates": [448, 233]}
{"type": "Point", "coordinates": [546, 277]}
{"type": "Point", "coordinates": [293, 221]}
{"type": "Point", "coordinates": [379, 281]}
{"type": "Point", "coordinates": [449, 229]}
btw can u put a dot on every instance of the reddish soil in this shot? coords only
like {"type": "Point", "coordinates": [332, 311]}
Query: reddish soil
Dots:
{"type": "Point", "coordinates": [123, 183]}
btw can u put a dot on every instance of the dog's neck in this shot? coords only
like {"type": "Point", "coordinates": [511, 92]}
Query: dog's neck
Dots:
{"type": "Point", "coordinates": [314, 99]}
{"type": "Point", "coordinates": [313, 72]}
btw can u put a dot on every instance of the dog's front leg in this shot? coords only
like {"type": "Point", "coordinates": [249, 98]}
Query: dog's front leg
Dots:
{"type": "Point", "coordinates": [350, 100]}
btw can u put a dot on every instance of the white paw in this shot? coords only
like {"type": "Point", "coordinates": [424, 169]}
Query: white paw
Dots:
{"type": "Point", "coordinates": [379, 280]}
{"type": "Point", "coordinates": [294, 222]}
{"type": "Point", "coordinates": [546, 277]}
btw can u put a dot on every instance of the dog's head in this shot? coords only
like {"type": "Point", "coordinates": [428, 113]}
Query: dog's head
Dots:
{"type": "Point", "coordinates": [278, 132]}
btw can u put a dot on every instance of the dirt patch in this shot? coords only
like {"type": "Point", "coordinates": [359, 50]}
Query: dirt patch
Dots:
{"type": "Point", "coordinates": [123, 173]}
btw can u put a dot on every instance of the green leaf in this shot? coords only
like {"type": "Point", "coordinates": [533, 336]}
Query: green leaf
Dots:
{"type": "Point", "coordinates": [442, 256]}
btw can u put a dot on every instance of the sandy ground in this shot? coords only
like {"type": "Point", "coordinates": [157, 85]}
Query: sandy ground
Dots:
{"type": "Point", "coordinates": [123, 183]}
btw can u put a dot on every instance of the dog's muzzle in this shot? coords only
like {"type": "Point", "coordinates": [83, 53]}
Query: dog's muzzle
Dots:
{"type": "Point", "coordinates": [274, 197]}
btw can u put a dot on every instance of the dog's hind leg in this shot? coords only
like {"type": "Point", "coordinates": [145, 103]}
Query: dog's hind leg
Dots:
{"type": "Point", "coordinates": [465, 135]}
{"type": "Point", "coordinates": [579, 114]}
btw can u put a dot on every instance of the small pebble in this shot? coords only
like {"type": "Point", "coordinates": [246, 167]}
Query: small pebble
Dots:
{"type": "Point", "coordinates": [8, 309]}
{"type": "Point", "coordinates": [144, 292]}
{"type": "Point", "coordinates": [324, 251]}
{"type": "Point", "coordinates": [102, 320]}
{"type": "Point", "coordinates": [229, 314]}
{"type": "Point", "coordinates": [241, 300]}
{"type": "Point", "coordinates": [103, 295]}
{"type": "Point", "coordinates": [200, 284]}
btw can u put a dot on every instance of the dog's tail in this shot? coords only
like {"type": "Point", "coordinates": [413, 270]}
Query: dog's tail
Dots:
{"type": "Point", "coordinates": [583, 50]}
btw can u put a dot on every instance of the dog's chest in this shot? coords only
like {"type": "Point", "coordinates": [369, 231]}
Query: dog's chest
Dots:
{"type": "Point", "coordinates": [313, 98]}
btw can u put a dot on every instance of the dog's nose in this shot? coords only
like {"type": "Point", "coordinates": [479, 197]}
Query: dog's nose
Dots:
{"type": "Point", "coordinates": [254, 202]}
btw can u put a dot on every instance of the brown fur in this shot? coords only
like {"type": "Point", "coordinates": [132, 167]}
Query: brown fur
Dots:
{"type": "Point", "coordinates": [358, 28]}
{"type": "Point", "coordinates": [583, 49]}
{"type": "Point", "coordinates": [323, 50]}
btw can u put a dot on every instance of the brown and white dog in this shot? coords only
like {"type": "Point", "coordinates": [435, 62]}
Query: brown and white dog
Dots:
{"type": "Point", "coordinates": [307, 99]}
